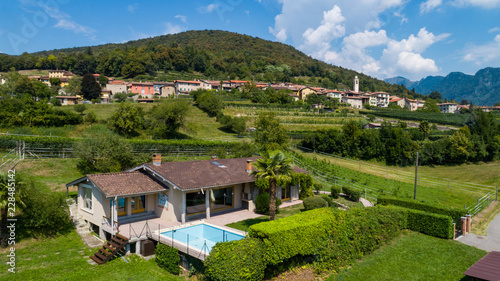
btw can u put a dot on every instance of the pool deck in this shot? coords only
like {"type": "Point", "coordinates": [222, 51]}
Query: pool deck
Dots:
{"type": "Point", "coordinates": [137, 229]}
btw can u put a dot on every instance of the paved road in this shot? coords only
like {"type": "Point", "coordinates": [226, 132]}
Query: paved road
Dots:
{"type": "Point", "coordinates": [491, 242]}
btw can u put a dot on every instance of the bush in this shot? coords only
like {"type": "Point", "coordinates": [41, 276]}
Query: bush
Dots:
{"type": "Point", "coordinates": [90, 118]}
{"type": "Point", "coordinates": [335, 190]}
{"type": "Point", "coordinates": [329, 200]}
{"type": "Point", "coordinates": [236, 260]}
{"type": "Point", "coordinates": [454, 213]}
{"type": "Point", "coordinates": [314, 202]}
{"type": "Point", "coordinates": [167, 258]}
{"type": "Point", "coordinates": [45, 212]}
{"type": "Point", "coordinates": [351, 193]}
{"type": "Point", "coordinates": [262, 204]}
{"type": "Point", "coordinates": [80, 108]}
{"type": "Point", "coordinates": [318, 187]}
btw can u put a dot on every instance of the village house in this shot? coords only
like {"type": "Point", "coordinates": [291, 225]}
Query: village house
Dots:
{"type": "Point", "coordinates": [171, 191]}
{"type": "Point", "coordinates": [304, 92]}
{"type": "Point", "coordinates": [354, 101]}
{"type": "Point", "coordinates": [183, 87]}
{"type": "Point", "coordinates": [447, 107]}
{"type": "Point", "coordinates": [2, 80]}
{"type": "Point", "coordinates": [117, 86]}
{"type": "Point", "coordinates": [382, 99]}
{"type": "Point", "coordinates": [140, 88]}
{"type": "Point", "coordinates": [412, 105]}
{"type": "Point", "coordinates": [67, 100]}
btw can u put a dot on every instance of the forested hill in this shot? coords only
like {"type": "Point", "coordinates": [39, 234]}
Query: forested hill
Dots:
{"type": "Point", "coordinates": [215, 54]}
{"type": "Point", "coordinates": [483, 88]}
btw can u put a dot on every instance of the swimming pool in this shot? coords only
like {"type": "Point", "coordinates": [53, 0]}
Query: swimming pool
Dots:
{"type": "Point", "coordinates": [201, 236]}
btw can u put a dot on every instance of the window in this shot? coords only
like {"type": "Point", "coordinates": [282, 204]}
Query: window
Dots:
{"type": "Point", "coordinates": [87, 198]}
{"type": "Point", "coordinates": [138, 204]}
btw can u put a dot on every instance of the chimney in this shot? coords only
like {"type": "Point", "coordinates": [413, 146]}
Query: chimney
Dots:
{"type": "Point", "coordinates": [249, 166]}
{"type": "Point", "coordinates": [214, 157]}
{"type": "Point", "coordinates": [156, 159]}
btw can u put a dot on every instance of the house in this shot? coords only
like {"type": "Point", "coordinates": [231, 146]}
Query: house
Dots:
{"type": "Point", "coordinates": [117, 86]}
{"type": "Point", "coordinates": [67, 100]}
{"type": "Point", "coordinates": [397, 100]}
{"type": "Point", "coordinates": [2, 80]}
{"type": "Point", "coordinates": [355, 102]}
{"type": "Point", "coordinates": [106, 95]}
{"type": "Point", "coordinates": [369, 99]}
{"type": "Point", "coordinates": [184, 87]}
{"type": "Point", "coordinates": [140, 88]}
{"type": "Point", "coordinates": [145, 100]}
{"type": "Point", "coordinates": [333, 94]}
{"type": "Point", "coordinates": [164, 89]}
{"type": "Point", "coordinates": [447, 107]}
{"type": "Point", "coordinates": [171, 191]}
{"type": "Point", "coordinates": [304, 92]}
{"type": "Point", "coordinates": [412, 105]}
{"type": "Point", "coordinates": [382, 99]}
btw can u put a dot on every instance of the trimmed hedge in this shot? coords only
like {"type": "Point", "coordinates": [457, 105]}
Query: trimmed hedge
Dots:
{"type": "Point", "coordinates": [299, 234]}
{"type": "Point", "coordinates": [432, 224]}
{"type": "Point", "coordinates": [454, 213]}
{"type": "Point", "coordinates": [351, 193]}
{"type": "Point", "coordinates": [329, 200]}
{"type": "Point", "coordinates": [262, 204]}
{"type": "Point", "coordinates": [336, 190]}
{"type": "Point", "coordinates": [314, 202]}
{"type": "Point", "coordinates": [236, 260]}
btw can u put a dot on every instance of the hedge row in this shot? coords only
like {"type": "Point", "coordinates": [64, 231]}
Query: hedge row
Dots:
{"type": "Point", "coordinates": [333, 238]}
{"type": "Point", "coordinates": [429, 223]}
{"type": "Point", "coordinates": [454, 213]}
{"type": "Point", "coordinates": [314, 202]}
{"type": "Point", "coordinates": [9, 141]}
{"type": "Point", "coordinates": [295, 235]}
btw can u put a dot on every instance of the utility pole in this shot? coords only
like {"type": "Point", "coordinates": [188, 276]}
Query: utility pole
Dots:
{"type": "Point", "coordinates": [416, 178]}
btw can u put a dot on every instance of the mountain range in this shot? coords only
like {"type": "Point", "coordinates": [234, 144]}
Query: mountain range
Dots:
{"type": "Point", "coordinates": [483, 88]}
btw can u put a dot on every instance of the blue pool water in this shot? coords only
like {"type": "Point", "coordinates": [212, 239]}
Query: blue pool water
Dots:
{"type": "Point", "coordinates": [199, 235]}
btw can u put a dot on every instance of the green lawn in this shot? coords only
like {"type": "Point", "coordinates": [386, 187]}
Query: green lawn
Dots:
{"type": "Point", "coordinates": [54, 172]}
{"type": "Point", "coordinates": [65, 258]}
{"type": "Point", "coordinates": [414, 257]}
{"type": "Point", "coordinates": [284, 212]}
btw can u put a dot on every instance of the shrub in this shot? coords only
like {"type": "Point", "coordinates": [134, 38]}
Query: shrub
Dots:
{"type": "Point", "coordinates": [329, 200]}
{"type": "Point", "coordinates": [454, 213]}
{"type": "Point", "coordinates": [90, 118]}
{"type": "Point", "coordinates": [44, 213]}
{"type": "Point", "coordinates": [351, 193]}
{"type": "Point", "coordinates": [236, 260]}
{"type": "Point", "coordinates": [335, 190]}
{"type": "Point", "coordinates": [262, 204]}
{"type": "Point", "coordinates": [167, 258]}
{"type": "Point", "coordinates": [80, 108]}
{"type": "Point", "coordinates": [314, 202]}
{"type": "Point", "coordinates": [318, 187]}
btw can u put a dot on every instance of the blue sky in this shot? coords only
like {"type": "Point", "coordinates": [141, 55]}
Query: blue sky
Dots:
{"type": "Point", "coordinates": [381, 38]}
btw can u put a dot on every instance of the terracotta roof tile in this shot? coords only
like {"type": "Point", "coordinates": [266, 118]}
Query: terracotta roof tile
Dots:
{"type": "Point", "coordinates": [126, 183]}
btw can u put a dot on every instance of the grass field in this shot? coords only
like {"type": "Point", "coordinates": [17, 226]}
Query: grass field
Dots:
{"type": "Point", "coordinates": [55, 173]}
{"type": "Point", "coordinates": [414, 257]}
{"type": "Point", "coordinates": [65, 258]}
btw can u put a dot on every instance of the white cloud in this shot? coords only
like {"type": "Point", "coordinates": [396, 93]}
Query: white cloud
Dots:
{"type": "Point", "coordinates": [402, 16]}
{"type": "Point", "coordinates": [172, 29]}
{"type": "Point", "coordinates": [131, 8]}
{"type": "Point", "coordinates": [208, 9]}
{"type": "Point", "coordinates": [486, 54]}
{"type": "Point", "coordinates": [494, 29]}
{"type": "Point", "coordinates": [329, 29]}
{"type": "Point", "coordinates": [64, 20]}
{"type": "Point", "coordinates": [429, 5]}
{"type": "Point", "coordinates": [182, 18]}
{"type": "Point", "coordinates": [478, 3]}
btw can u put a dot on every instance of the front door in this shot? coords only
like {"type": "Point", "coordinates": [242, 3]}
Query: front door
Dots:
{"type": "Point", "coordinates": [285, 193]}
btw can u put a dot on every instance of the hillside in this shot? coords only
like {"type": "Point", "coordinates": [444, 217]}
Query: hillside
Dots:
{"type": "Point", "coordinates": [482, 88]}
{"type": "Point", "coordinates": [215, 54]}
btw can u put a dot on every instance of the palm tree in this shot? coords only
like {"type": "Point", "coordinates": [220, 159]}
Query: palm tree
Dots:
{"type": "Point", "coordinates": [425, 128]}
{"type": "Point", "coordinates": [275, 167]}
{"type": "Point", "coordinates": [5, 193]}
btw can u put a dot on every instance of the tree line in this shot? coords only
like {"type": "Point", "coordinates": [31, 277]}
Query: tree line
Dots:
{"type": "Point", "coordinates": [478, 140]}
